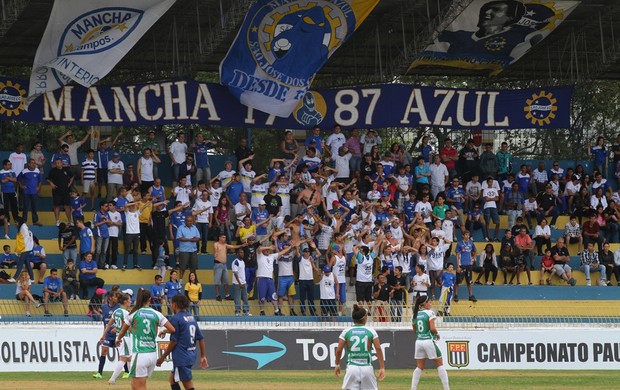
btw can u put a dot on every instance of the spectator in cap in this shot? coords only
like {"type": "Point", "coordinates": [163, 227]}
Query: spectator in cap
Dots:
{"type": "Point", "coordinates": [329, 293]}
{"type": "Point", "coordinates": [116, 170]}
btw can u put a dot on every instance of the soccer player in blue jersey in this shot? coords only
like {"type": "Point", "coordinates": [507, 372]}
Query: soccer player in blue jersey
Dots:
{"type": "Point", "coordinates": [183, 342]}
{"type": "Point", "coordinates": [109, 339]}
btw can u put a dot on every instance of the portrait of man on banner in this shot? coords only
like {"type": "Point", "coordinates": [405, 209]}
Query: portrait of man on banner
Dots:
{"type": "Point", "coordinates": [491, 35]}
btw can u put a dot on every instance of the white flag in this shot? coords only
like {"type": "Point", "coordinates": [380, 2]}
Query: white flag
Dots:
{"type": "Point", "coordinates": [85, 39]}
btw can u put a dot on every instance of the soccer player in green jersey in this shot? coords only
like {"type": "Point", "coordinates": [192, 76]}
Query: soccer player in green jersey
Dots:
{"type": "Point", "coordinates": [425, 346]}
{"type": "Point", "coordinates": [358, 341]}
{"type": "Point", "coordinates": [144, 323]}
{"type": "Point", "coordinates": [116, 322]}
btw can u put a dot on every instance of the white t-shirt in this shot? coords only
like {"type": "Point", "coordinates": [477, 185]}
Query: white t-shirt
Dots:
{"type": "Point", "coordinates": [425, 210]}
{"type": "Point", "coordinates": [132, 220]}
{"type": "Point", "coordinates": [339, 268]}
{"type": "Point", "coordinates": [327, 286]}
{"type": "Point", "coordinates": [369, 142]}
{"type": "Point", "coordinates": [246, 179]}
{"type": "Point", "coordinates": [258, 193]}
{"type": "Point", "coordinates": [146, 169]}
{"type": "Point", "coordinates": [540, 231]}
{"type": "Point", "coordinates": [216, 194]}
{"type": "Point", "coordinates": [341, 163]}
{"type": "Point", "coordinates": [335, 141]}
{"type": "Point", "coordinates": [418, 281]}
{"type": "Point", "coordinates": [19, 161]}
{"type": "Point", "coordinates": [574, 188]}
{"type": "Point", "coordinates": [284, 192]}
{"type": "Point", "coordinates": [238, 268]}
{"type": "Point", "coordinates": [435, 257]}
{"type": "Point", "coordinates": [115, 217]}
{"type": "Point", "coordinates": [226, 176]}
{"type": "Point", "coordinates": [115, 178]}
{"type": "Point", "coordinates": [182, 194]}
{"type": "Point", "coordinates": [200, 205]}
{"type": "Point", "coordinates": [438, 174]}
{"type": "Point", "coordinates": [490, 193]}
{"type": "Point", "coordinates": [242, 208]}
{"type": "Point", "coordinates": [364, 266]}
{"type": "Point", "coordinates": [495, 185]}
{"type": "Point", "coordinates": [265, 265]}
{"type": "Point", "coordinates": [178, 150]}
{"type": "Point", "coordinates": [305, 268]}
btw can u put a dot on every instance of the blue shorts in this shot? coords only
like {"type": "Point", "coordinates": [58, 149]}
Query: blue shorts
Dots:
{"type": "Point", "coordinates": [182, 373]}
{"type": "Point", "coordinates": [110, 343]}
{"type": "Point", "coordinates": [266, 289]}
{"type": "Point", "coordinates": [490, 214]}
{"type": "Point", "coordinates": [341, 288]}
{"type": "Point", "coordinates": [284, 283]}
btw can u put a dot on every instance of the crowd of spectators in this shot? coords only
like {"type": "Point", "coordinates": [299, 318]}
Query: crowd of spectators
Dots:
{"type": "Point", "coordinates": [330, 205]}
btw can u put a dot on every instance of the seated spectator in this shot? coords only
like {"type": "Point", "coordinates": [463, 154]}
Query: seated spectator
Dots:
{"type": "Point", "coordinates": [507, 263]}
{"type": "Point", "coordinates": [592, 232]}
{"type": "Point", "coordinates": [22, 292]}
{"type": "Point", "coordinates": [610, 218]}
{"type": "Point", "coordinates": [524, 242]}
{"type": "Point", "coordinates": [70, 279]}
{"type": "Point", "coordinates": [589, 262]}
{"type": "Point", "coordinates": [37, 259]}
{"type": "Point", "coordinates": [581, 203]}
{"type": "Point", "coordinates": [53, 292]}
{"type": "Point", "coordinates": [530, 209]}
{"type": "Point", "coordinates": [520, 259]}
{"type": "Point", "coordinates": [571, 191]}
{"type": "Point", "coordinates": [475, 221]}
{"type": "Point", "coordinates": [547, 265]}
{"type": "Point", "coordinates": [88, 275]}
{"type": "Point", "coordinates": [572, 234]}
{"type": "Point", "coordinates": [606, 257]}
{"type": "Point", "coordinates": [7, 259]}
{"type": "Point", "coordinates": [487, 263]}
{"type": "Point", "coordinates": [561, 257]}
{"type": "Point", "coordinates": [542, 236]}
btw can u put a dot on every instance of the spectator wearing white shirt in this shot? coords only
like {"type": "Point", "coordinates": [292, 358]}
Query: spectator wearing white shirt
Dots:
{"type": "Point", "coordinates": [491, 197]}
{"type": "Point", "coordinates": [336, 140]}
{"type": "Point", "coordinates": [341, 164]}
{"type": "Point", "coordinates": [182, 192]}
{"type": "Point", "coordinates": [571, 190]}
{"type": "Point", "coordinates": [177, 152]}
{"type": "Point", "coordinates": [542, 236]}
{"type": "Point", "coordinates": [370, 139]}
{"type": "Point", "coordinates": [116, 168]}
{"type": "Point", "coordinates": [439, 176]}
{"type": "Point", "coordinates": [541, 178]}
{"type": "Point", "coordinates": [204, 219]}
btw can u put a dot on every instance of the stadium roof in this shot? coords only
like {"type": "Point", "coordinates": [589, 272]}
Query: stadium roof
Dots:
{"type": "Point", "coordinates": [195, 35]}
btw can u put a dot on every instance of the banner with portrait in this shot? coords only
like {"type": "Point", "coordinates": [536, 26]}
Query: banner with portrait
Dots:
{"type": "Point", "coordinates": [282, 44]}
{"type": "Point", "coordinates": [491, 35]}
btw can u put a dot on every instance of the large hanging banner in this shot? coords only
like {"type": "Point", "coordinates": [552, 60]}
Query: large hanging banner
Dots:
{"type": "Point", "coordinates": [84, 40]}
{"type": "Point", "coordinates": [491, 35]}
{"type": "Point", "coordinates": [377, 106]}
{"type": "Point", "coordinates": [282, 44]}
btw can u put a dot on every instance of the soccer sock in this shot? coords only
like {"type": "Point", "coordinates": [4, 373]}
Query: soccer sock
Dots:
{"type": "Point", "coordinates": [117, 370]}
{"type": "Point", "coordinates": [417, 373]}
{"type": "Point", "coordinates": [126, 368]}
{"type": "Point", "coordinates": [175, 386]}
{"type": "Point", "coordinates": [101, 364]}
{"type": "Point", "coordinates": [443, 375]}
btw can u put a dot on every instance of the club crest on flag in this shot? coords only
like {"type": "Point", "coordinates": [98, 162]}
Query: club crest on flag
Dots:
{"type": "Point", "coordinates": [11, 98]}
{"type": "Point", "coordinates": [282, 44]}
{"type": "Point", "coordinates": [458, 353]}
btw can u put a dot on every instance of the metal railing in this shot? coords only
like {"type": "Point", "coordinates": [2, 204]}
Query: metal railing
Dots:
{"type": "Point", "coordinates": [463, 315]}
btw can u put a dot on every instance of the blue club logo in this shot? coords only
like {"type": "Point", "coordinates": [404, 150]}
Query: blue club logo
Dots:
{"type": "Point", "coordinates": [261, 358]}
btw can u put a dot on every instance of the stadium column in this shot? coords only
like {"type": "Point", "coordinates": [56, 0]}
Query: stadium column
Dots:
{"type": "Point", "coordinates": [248, 136]}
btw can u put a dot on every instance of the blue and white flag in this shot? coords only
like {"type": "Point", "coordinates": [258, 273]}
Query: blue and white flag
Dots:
{"type": "Point", "coordinates": [84, 40]}
{"type": "Point", "coordinates": [282, 44]}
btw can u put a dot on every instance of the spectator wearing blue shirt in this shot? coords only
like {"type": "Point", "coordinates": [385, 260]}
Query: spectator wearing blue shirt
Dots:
{"type": "Point", "coordinates": [7, 259]}
{"type": "Point", "coordinates": [30, 180]}
{"type": "Point", "coordinates": [173, 287]}
{"type": "Point", "coordinates": [476, 221]}
{"type": "Point", "coordinates": [259, 215]}
{"type": "Point", "coordinates": [188, 237]}
{"type": "Point", "coordinates": [53, 292]}
{"type": "Point", "coordinates": [88, 275]}
{"type": "Point", "coordinates": [455, 196]}
{"type": "Point", "coordinates": [448, 281]}
{"type": "Point", "coordinates": [601, 156]}
{"type": "Point", "coordinates": [234, 188]}
{"type": "Point", "coordinates": [422, 174]}
{"type": "Point", "coordinates": [315, 138]}
{"type": "Point", "coordinates": [63, 155]}
{"type": "Point", "coordinates": [183, 343]}
{"type": "Point", "coordinates": [8, 185]}
{"type": "Point", "coordinates": [409, 208]}
{"type": "Point", "coordinates": [103, 157]}
{"type": "Point", "coordinates": [157, 293]}
{"type": "Point", "coordinates": [77, 205]}
{"type": "Point", "coordinates": [465, 255]}
{"type": "Point", "coordinates": [87, 241]}
{"type": "Point", "coordinates": [37, 259]}
{"type": "Point", "coordinates": [102, 223]}
{"type": "Point", "coordinates": [201, 157]}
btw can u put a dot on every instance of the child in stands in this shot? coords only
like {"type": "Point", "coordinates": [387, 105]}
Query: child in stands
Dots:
{"type": "Point", "coordinates": [547, 267]}
{"type": "Point", "coordinates": [7, 258]}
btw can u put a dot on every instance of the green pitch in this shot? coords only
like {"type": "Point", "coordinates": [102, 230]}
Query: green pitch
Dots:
{"type": "Point", "coordinates": [302, 380]}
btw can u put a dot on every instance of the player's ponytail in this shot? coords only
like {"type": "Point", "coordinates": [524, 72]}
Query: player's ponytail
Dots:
{"type": "Point", "coordinates": [358, 314]}
{"type": "Point", "coordinates": [419, 302]}
{"type": "Point", "coordinates": [142, 299]}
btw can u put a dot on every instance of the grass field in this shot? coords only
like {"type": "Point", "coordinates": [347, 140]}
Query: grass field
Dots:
{"type": "Point", "coordinates": [302, 380]}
